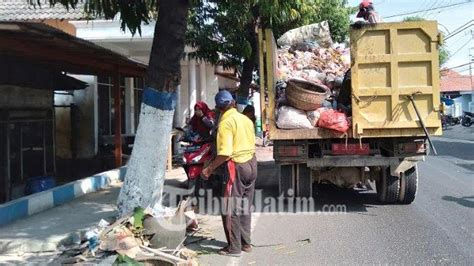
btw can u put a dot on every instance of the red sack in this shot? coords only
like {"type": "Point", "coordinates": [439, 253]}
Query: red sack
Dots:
{"type": "Point", "coordinates": [334, 120]}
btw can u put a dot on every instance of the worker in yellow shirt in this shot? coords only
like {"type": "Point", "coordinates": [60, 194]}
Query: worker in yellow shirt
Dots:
{"type": "Point", "coordinates": [235, 149]}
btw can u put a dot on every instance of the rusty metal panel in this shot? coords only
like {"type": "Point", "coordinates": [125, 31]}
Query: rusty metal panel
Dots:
{"type": "Point", "coordinates": [391, 61]}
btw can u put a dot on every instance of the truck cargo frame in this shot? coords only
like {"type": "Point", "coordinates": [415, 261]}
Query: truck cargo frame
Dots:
{"type": "Point", "coordinates": [390, 62]}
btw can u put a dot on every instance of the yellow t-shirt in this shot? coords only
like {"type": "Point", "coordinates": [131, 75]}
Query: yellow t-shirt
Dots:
{"type": "Point", "coordinates": [236, 136]}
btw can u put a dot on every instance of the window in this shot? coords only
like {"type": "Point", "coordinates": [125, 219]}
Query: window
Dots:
{"type": "Point", "coordinates": [106, 106]}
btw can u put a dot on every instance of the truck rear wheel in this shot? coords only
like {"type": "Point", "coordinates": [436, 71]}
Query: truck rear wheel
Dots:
{"type": "Point", "coordinates": [388, 187]}
{"type": "Point", "coordinates": [408, 185]}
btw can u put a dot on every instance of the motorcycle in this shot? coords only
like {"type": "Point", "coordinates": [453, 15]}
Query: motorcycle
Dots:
{"type": "Point", "coordinates": [444, 121]}
{"type": "Point", "coordinates": [196, 152]}
{"type": "Point", "coordinates": [467, 119]}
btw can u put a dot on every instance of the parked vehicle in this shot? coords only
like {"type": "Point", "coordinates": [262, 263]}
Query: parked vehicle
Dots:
{"type": "Point", "coordinates": [394, 68]}
{"type": "Point", "coordinates": [454, 120]}
{"type": "Point", "coordinates": [467, 119]}
{"type": "Point", "coordinates": [444, 121]}
{"type": "Point", "coordinates": [194, 156]}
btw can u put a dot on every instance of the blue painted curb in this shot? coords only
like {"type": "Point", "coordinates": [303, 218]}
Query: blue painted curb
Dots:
{"type": "Point", "coordinates": [38, 202]}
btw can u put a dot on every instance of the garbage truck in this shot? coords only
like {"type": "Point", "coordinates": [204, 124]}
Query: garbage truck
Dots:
{"type": "Point", "coordinates": [395, 102]}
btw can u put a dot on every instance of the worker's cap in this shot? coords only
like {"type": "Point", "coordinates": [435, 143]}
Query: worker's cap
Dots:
{"type": "Point", "coordinates": [223, 99]}
{"type": "Point", "coordinates": [365, 3]}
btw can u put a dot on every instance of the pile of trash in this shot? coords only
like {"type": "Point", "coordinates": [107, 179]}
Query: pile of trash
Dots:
{"type": "Point", "coordinates": [309, 59]}
{"type": "Point", "coordinates": [141, 237]}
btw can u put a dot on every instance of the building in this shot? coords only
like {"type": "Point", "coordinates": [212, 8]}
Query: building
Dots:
{"type": "Point", "coordinates": [34, 59]}
{"type": "Point", "coordinates": [458, 87]}
{"type": "Point", "coordinates": [85, 119]}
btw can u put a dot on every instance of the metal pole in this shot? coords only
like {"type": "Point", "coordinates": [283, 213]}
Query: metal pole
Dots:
{"type": "Point", "coordinates": [471, 60]}
{"type": "Point", "coordinates": [44, 148]}
{"type": "Point", "coordinates": [423, 125]}
{"type": "Point", "coordinates": [21, 152]}
{"type": "Point", "coordinates": [9, 180]}
{"type": "Point", "coordinates": [118, 121]}
{"type": "Point", "coordinates": [53, 129]}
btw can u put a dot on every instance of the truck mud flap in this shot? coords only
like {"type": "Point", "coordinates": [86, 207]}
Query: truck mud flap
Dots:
{"type": "Point", "coordinates": [295, 180]}
{"type": "Point", "coordinates": [304, 181]}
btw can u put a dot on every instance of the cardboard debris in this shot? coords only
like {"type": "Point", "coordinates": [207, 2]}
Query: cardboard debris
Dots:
{"type": "Point", "coordinates": [128, 239]}
{"type": "Point", "coordinates": [122, 241]}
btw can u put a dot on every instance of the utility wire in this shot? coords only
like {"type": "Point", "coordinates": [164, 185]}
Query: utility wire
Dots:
{"type": "Point", "coordinates": [460, 48]}
{"type": "Point", "coordinates": [430, 8]}
{"type": "Point", "coordinates": [460, 29]}
{"type": "Point", "coordinates": [454, 67]}
{"type": "Point", "coordinates": [434, 8]}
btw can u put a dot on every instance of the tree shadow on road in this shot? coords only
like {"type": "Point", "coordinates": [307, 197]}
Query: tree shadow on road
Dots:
{"type": "Point", "coordinates": [462, 150]}
{"type": "Point", "coordinates": [463, 201]}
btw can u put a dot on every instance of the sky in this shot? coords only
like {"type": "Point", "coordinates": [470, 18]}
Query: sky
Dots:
{"type": "Point", "coordinates": [449, 20]}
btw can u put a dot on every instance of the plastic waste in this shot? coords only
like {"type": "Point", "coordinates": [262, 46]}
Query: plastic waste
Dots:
{"type": "Point", "coordinates": [317, 32]}
{"type": "Point", "coordinates": [292, 118]}
{"type": "Point", "coordinates": [313, 116]}
{"type": "Point", "coordinates": [334, 120]}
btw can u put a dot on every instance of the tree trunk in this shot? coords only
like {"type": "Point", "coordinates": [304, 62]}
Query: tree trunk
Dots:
{"type": "Point", "coordinates": [143, 185]}
{"type": "Point", "coordinates": [249, 63]}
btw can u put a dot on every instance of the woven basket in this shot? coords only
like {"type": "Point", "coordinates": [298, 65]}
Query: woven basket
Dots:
{"type": "Point", "coordinates": [306, 95]}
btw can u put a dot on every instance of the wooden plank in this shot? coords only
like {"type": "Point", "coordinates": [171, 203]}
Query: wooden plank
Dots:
{"type": "Point", "coordinates": [298, 134]}
{"type": "Point", "coordinates": [261, 55]}
{"type": "Point", "coordinates": [87, 63]}
{"type": "Point", "coordinates": [270, 48]}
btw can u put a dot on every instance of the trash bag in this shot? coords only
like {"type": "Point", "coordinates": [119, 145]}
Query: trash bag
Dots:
{"type": "Point", "coordinates": [334, 120]}
{"type": "Point", "coordinates": [313, 116]}
{"type": "Point", "coordinates": [292, 118]}
{"type": "Point", "coordinates": [318, 33]}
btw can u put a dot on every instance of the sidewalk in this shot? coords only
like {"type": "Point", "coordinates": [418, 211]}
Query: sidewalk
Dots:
{"type": "Point", "coordinates": [33, 238]}
{"type": "Point", "coordinates": [64, 224]}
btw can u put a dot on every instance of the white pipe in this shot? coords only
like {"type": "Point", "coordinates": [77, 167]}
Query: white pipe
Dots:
{"type": "Point", "coordinates": [192, 86]}
{"type": "Point", "coordinates": [202, 81]}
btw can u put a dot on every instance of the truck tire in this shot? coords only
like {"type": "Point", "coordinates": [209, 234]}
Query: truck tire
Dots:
{"type": "Point", "coordinates": [388, 187]}
{"type": "Point", "coordinates": [408, 185]}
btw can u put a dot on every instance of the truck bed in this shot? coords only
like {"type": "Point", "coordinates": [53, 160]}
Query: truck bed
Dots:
{"type": "Point", "coordinates": [390, 63]}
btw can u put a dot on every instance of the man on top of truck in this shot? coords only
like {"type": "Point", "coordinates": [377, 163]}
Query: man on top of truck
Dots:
{"type": "Point", "coordinates": [367, 12]}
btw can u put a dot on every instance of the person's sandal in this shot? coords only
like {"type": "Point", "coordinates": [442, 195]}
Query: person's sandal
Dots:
{"type": "Point", "coordinates": [226, 252]}
{"type": "Point", "coordinates": [247, 248]}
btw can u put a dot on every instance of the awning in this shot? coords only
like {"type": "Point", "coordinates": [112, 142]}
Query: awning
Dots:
{"type": "Point", "coordinates": [447, 101]}
{"type": "Point", "coordinates": [63, 52]}
{"type": "Point", "coordinates": [58, 51]}
{"type": "Point", "coordinates": [21, 73]}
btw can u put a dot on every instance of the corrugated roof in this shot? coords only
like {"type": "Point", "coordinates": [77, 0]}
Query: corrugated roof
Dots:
{"type": "Point", "coordinates": [452, 81]}
{"type": "Point", "coordinates": [20, 10]}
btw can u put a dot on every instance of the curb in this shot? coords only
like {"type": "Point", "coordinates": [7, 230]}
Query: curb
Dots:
{"type": "Point", "coordinates": [38, 202]}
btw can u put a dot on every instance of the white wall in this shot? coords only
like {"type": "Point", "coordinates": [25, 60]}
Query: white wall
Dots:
{"type": "Point", "coordinates": [109, 35]}
{"type": "Point", "coordinates": [212, 82]}
{"type": "Point", "coordinates": [86, 101]}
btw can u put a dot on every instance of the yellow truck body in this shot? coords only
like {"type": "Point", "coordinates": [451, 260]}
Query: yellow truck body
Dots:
{"type": "Point", "coordinates": [389, 63]}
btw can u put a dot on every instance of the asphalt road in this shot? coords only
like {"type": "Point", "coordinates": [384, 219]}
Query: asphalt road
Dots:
{"type": "Point", "coordinates": [438, 228]}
